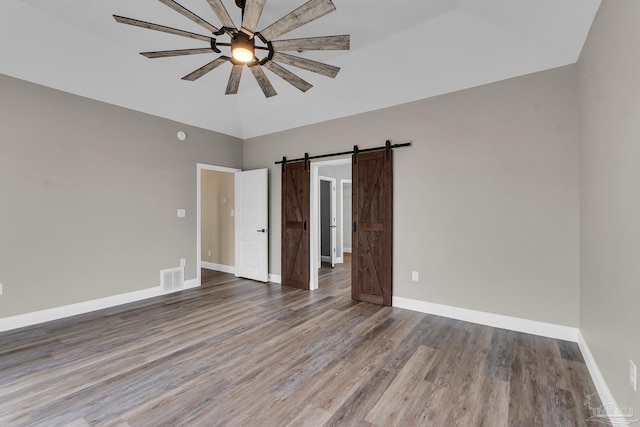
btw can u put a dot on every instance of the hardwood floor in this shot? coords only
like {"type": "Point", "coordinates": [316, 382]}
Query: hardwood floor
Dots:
{"type": "Point", "coordinates": [237, 352]}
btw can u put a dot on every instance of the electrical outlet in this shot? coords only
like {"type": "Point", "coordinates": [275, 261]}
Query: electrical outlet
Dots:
{"type": "Point", "coordinates": [633, 375]}
{"type": "Point", "coordinates": [183, 262]}
{"type": "Point", "coordinates": [209, 253]}
{"type": "Point", "coordinates": [415, 276]}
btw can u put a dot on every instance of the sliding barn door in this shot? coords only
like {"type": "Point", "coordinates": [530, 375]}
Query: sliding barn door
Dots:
{"type": "Point", "coordinates": [372, 227]}
{"type": "Point", "coordinates": [295, 224]}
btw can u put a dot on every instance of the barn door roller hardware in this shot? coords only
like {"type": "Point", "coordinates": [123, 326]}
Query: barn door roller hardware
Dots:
{"type": "Point", "coordinates": [388, 147]}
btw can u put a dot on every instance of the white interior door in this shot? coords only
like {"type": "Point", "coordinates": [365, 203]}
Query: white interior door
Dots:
{"type": "Point", "coordinates": [252, 224]}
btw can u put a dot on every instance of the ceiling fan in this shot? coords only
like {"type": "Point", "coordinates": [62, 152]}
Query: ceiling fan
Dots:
{"type": "Point", "coordinates": [245, 42]}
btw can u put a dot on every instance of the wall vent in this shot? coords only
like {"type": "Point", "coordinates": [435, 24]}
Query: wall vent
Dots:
{"type": "Point", "coordinates": [172, 279]}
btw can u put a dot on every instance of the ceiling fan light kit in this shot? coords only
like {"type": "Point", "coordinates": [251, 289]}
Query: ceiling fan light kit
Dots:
{"type": "Point", "coordinates": [243, 46]}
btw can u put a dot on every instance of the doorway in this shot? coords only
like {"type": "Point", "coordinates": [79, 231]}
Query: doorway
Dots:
{"type": "Point", "coordinates": [333, 171]}
{"type": "Point", "coordinates": [328, 232]}
{"type": "Point", "coordinates": [372, 221]}
{"type": "Point", "coordinates": [216, 212]}
{"type": "Point", "coordinates": [232, 221]}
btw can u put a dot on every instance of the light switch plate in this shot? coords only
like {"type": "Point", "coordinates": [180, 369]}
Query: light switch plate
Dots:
{"type": "Point", "coordinates": [183, 262]}
{"type": "Point", "coordinates": [182, 213]}
{"type": "Point", "coordinates": [1, 289]}
{"type": "Point", "coordinates": [415, 276]}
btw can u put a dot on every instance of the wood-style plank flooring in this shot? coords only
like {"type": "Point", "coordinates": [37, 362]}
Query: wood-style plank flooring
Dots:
{"type": "Point", "coordinates": [237, 352]}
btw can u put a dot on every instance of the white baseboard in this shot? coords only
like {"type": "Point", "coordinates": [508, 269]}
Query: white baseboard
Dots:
{"type": "Point", "coordinates": [347, 250]}
{"type": "Point", "coordinates": [190, 284]}
{"type": "Point", "coordinates": [275, 278]}
{"type": "Point", "coordinates": [598, 379]}
{"type": "Point", "coordinates": [533, 327]}
{"type": "Point", "coordinates": [56, 313]}
{"type": "Point", "coordinates": [231, 269]}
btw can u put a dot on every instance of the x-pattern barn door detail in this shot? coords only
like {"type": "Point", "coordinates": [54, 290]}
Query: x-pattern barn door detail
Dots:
{"type": "Point", "coordinates": [295, 224]}
{"type": "Point", "coordinates": [372, 227]}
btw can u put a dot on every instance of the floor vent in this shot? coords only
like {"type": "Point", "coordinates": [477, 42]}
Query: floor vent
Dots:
{"type": "Point", "coordinates": [172, 279]}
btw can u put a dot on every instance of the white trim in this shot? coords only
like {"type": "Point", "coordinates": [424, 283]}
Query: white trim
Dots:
{"type": "Point", "coordinates": [324, 258]}
{"type": "Point", "coordinates": [314, 226]}
{"type": "Point", "coordinates": [50, 314]}
{"type": "Point", "coordinates": [231, 269]}
{"type": "Point", "coordinates": [190, 284]}
{"type": "Point", "coordinates": [200, 167]}
{"type": "Point", "coordinates": [347, 250]}
{"type": "Point", "coordinates": [339, 260]}
{"type": "Point", "coordinates": [533, 327]}
{"type": "Point", "coordinates": [275, 278]}
{"type": "Point", "coordinates": [598, 379]}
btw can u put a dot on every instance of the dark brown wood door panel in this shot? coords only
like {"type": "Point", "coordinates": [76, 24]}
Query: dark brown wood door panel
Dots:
{"type": "Point", "coordinates": [372, 237]}
{"type": "Point", "coordinates": [295, 225]}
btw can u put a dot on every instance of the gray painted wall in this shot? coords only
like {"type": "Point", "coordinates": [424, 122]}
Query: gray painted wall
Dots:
{"type": "Point", "coordinates": [486, 200]}
{"type": "Point", "coordinates": [610, 194]}
{"type": "Point", "coordinates": [88, 196]}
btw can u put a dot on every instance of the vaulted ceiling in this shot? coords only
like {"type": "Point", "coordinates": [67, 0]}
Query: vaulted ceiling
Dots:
{"type": "Point", "coordinates": [401, 51]}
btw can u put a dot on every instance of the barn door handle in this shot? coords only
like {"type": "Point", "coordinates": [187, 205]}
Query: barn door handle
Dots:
{"type": "Point", "coordinates": [354, 227]}
{"type": "Point", "coordinates": [305, 224]}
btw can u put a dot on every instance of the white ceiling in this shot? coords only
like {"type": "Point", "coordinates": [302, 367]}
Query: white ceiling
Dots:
{"type": "Point", "coordinates": [401, 51]}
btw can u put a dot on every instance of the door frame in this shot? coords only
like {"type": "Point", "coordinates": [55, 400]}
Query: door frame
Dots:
{"type": "Point", "coordinates": [333, 213]}
{"type": "Point", "coordinates": [314, 217]}
{"type": "Point", "coordinates": [200, 168]}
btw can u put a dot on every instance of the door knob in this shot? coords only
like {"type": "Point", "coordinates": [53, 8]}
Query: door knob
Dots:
{"type": "Point", "coordinates": [262, 230]}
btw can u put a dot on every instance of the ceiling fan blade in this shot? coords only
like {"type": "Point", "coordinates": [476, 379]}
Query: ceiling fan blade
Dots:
{"type": "Point", "coordinates": [287, 75]}
{"type": "Point", "coordinates": [306, 13]}
{"type": "Point", "coordinates": [307, 64]}
{"type": "Point", "coordinates": [156, 27]}
{"type": "Point", "coordinates": [180, 52]}
{"type": "Point", "coordinates": [206, 68]}
{"type": "Point", "coordinates": [234, 79]}
{"type": "Point", "coordinates": [252, 11]}
{"type": "Point", "coordinates": [186, 12]}
{"type": "Point", "coordinates": [313, 43]}
{"type": "Point", "coordinates": [221, 13]}
{"type": "Point", "coordinates": [262, 80]}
